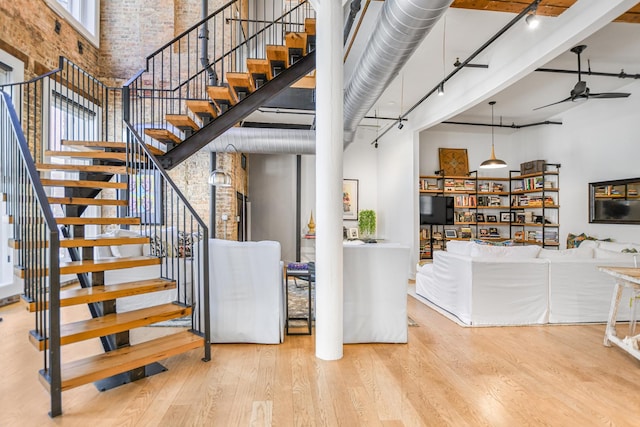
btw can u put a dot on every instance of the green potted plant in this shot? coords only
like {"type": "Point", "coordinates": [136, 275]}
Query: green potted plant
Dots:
{"type": "Point", "coordinates": [367, 223]}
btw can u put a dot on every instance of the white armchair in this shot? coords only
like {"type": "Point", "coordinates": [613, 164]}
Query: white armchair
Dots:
{"type": "Point", "coordinates": [375, 293]}
{"type": "Point", "coordinates": [247, 292]}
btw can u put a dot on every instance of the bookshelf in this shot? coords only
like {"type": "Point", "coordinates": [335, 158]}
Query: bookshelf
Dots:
{"type": "Point", "coordinates": [524, 208]}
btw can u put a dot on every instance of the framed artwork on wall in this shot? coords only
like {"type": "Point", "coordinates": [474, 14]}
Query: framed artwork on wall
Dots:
{"type": "Point", "coordinates": [145, 197]}
{"type": "Point", "coordinates": [454, 161]}
{"type": "Point", "coordinates": [350, 199]}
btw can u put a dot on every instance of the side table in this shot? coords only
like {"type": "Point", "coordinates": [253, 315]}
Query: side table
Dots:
{"type": "Point", "coordinates": [304, 275]}
{"type": "Point", "coordinates": [628, 277]}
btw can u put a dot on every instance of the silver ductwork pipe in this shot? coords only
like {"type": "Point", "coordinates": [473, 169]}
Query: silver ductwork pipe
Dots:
{"type": "Point", "coordinates": [265, 141]}
{"type": "Point", "coordinates": [401, 27]}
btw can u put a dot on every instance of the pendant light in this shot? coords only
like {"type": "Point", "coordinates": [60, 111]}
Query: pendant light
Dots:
{"type": "Point", "coordinates": [220, 178]}
{"type": "Point", "coordinates": [492, 163]}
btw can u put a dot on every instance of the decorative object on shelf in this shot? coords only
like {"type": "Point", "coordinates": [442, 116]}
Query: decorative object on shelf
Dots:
{"type": "Point", "coordinates": [533, 166]}
{"type": "Point", "coordinates": [492, 218]}
{"type": "Point", "coordinates": [480, 217]}
{"type": "Point", "coordinates": [484, 232]}
{"type": "Point", "coordinates": [311, 226]}
{"type": "Point", "coordinates": [493, 162]}
{"type": "Point", "coordinates": [367, 223]}
{"type": "Point", "coordinates": [350, 199]}
{"type": "Point", "coordinates": [450, 234]}
{"type": "Point", "coordinates": [465, 233]}
{"type": "Point", "coordinates": [507, 217]}
{"type": "Point", "coordinates": [353, 233]}
{"type": "Point", "coordinates": [454, 161]}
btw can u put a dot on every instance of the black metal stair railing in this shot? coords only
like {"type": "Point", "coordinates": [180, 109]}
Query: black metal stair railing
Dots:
{"type": "Point", "coordinates": [70, 104]}
{"type": "Point", "coordinates": [175, 72]}
{"type": "Point", "coordinates": [34, 226]}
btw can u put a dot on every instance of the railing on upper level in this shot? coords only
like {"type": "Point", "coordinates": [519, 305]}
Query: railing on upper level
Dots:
{"type": "Point", "coordinates": [36, 235]}
{"type": "Point", "coordinates": [176, 72]}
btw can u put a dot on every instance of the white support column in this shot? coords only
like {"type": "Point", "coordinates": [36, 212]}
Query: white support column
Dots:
{"type": "Point", "coordinates": [329, 153]}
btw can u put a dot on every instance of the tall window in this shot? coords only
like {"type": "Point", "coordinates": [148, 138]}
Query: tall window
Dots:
{"type": "Point", "coordinates": [84, 15]}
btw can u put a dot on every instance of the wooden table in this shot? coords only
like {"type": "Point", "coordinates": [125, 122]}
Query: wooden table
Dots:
{"type": "Point", "coordinates": [626, 277]}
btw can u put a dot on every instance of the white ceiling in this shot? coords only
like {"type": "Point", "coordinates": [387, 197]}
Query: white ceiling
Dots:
{"type": "Point", "coordinates": [615, 47]}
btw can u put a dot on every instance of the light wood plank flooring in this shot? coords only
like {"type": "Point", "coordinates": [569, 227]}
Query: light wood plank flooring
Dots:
{"type": "Point", "coordinates": [446, 376]}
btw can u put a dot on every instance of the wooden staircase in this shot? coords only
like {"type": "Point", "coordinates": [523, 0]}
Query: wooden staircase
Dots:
{"type": "Point", "coordinates": [202, 120]}
{"type": "Point", "coordinates": [107, 159]}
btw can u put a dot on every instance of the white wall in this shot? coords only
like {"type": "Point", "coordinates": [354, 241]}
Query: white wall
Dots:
{"type": "Point", "coordinates": [272, 192]}
{"type": "Point", "coordinates": [359, 163]}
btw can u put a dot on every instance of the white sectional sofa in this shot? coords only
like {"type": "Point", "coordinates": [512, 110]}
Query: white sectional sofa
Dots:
{"type": "Point", "coordinates": [521, 285]}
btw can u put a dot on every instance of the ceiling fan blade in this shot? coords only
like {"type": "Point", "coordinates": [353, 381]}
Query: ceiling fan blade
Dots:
{"type": "Point", "coordinates": [609, 95]}
{"type": "Point", "coordinates": [549, 105]}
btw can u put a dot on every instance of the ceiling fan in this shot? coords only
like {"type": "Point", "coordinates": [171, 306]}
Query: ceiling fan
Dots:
{"type": "Point", "coordinates": [580, 91]}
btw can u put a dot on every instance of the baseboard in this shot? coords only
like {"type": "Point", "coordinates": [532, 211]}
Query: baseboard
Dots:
{"type": "Point", "coordinates": [9, 300]}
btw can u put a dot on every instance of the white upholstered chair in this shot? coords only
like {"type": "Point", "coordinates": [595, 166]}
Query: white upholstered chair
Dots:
{"type": "Point", "coordinates": [247, 292]}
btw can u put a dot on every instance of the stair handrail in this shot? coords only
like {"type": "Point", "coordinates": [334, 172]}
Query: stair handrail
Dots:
{"type": "Point", "coordinates": [33, 251]}
{"type": "Point", "coordinates": [140, 159]}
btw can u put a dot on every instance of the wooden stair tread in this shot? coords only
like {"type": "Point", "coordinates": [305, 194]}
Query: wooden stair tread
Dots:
{"type": "Point", "coordinates": [82, 168]}
{"type": "Point", "coordinates": [278, 53]}
{"type": "Point", "coordinates": [115, 362]}
{"type": "Point", "coordinates": [104, 293]}
{"type": "Point", "coordinates": [163, 135]}
{"type": "Point", "coordinates": [88, 266]}
{"type": "Point", "coordinates": [310, 26]}
{"type": "Point", "coordinates": [102, 241]}
{"type": "Point", "coordinates": [259, 67]}
{"type": "Point", "coordinates": [306, 82]}
{"type": "Point", "coordinates": [86, 201]}
{"type": "Point", "coordinates": [97, 221]}
{"type": "Point", "coordinates": [240, 80]}
{"type": "Point", "coordinates": [182, 121]}
{"type": "Point", "coordinates": [202, 107]}
{"type": "Point", "coordinates": [109, 144]}
{"type": "Point", "coordinates": [221, 93]}
{"type": "Point", "coordinates": [296, 41]}
{"type": "Point", "coordinates": [82, 183]}
{"type": "Point", "coordinates": [88, 154]}
{"type": "Point", "coordinates": [113, 323]}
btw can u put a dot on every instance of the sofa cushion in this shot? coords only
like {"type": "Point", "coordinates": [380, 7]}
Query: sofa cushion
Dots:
{"type": "Point", "coordinates": [619, 247]}
{"type": "Point", "coordinates": [123, 251]}
{"type": "Point", "coordinates": [492, 242]}
{"type": "Point", "coordinates": [459, 247]}
{"type": "Point", "coordinates": [606, 254]}
{"type": "Point", "coordinates": [574, 253]}
{"type": "Point", "coordinates": [528, 251]}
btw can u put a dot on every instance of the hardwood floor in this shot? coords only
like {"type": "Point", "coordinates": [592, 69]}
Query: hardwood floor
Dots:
{"type": "Point", "coordinates": [446, 376]}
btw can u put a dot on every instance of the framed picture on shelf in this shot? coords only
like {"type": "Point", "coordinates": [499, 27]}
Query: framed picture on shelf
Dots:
{"type": "Point", "coordinates": [507, 217]}
{"type": "Point", "coordinates": [465, 232]}
{"type": "Point", "coordinates": [492, 218]}
{"type": "Point", "coordinates": [353, 233]}
{"type": "Point", "coordinates": [350, 199]}
{"type": "Point", "coordinates": [437, 235]}
{"type": "Point", "coordinates": [484, 232]}
{"type": "Point", "coordinates": [480, 217]}
{"type": "Point", "coordinates": [450, 234]}
{"type": "Point", "coordinates": [493, 232]}
{"type": "Point", "coordinates": [520, 218]}
{"type": "Point", "coordinates": [518, 235]}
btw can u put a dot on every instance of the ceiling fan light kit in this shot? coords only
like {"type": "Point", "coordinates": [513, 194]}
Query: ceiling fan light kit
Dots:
{"type": "Point", "coordinates": [493, 162]}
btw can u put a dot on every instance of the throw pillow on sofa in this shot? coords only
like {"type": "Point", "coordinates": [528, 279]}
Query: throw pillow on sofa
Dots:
{"type": "Point", "coordinates": [492, 243]}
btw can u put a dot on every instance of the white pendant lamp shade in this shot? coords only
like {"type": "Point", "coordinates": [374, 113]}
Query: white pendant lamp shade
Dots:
{"type": "Point", "coordinates": [492, 162]}
{"type": "Point", "coordinates": [219, 178]}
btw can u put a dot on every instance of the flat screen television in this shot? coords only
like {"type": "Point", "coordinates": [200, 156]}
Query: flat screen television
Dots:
{"type": "Point", "coordinates": [436, 210]}
{"type": "Point", "coordinates": [616, 211]}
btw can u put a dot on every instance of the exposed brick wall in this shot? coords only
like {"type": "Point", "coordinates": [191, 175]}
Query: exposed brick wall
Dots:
{"type": "Point", "coordinates": [27, 32]}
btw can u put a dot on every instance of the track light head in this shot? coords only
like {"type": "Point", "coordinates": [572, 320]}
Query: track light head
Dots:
{"type": "Point", "coordinates": [441, 89]}
{"type": "Point", "coordinates": [400, 125]}
{"type": "Point", "coordinates": [532, 21]}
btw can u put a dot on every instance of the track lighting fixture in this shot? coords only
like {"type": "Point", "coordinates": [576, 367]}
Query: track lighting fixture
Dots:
{"type": "Point", "coordinates": [400, 125]}
{"type": "Point", "coordinates": [441, 89]}
{"type": "Point", "coordinates": [531, 19]}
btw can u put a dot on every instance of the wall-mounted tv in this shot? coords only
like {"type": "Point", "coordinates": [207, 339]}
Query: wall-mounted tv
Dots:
{"type": "Point", "coordinates": [436, 210]}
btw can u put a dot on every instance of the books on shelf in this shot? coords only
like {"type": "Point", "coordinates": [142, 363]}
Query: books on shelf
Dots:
{"type": "Point", "coordinates": [466, 201]}
{"type": "Point", "coordinates": [458, 184]}
{"type": "Point", "coordinates": [490, 187]}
